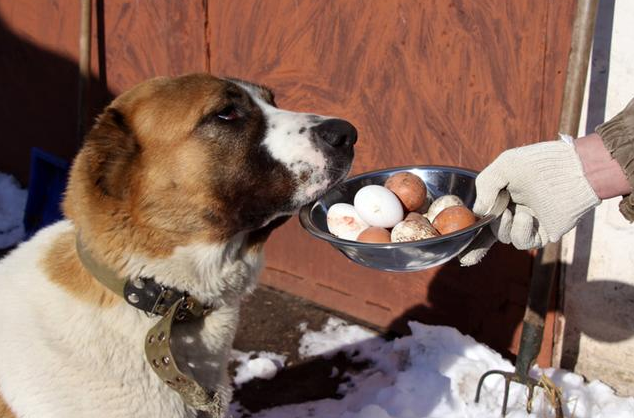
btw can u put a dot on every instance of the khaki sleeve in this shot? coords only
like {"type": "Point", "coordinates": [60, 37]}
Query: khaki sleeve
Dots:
{"type": "Point", "coordinates": [618, 138]}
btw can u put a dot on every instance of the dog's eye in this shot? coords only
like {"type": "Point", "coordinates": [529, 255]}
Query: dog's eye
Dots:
{"type": "Point", "coordinates": [229, 113]}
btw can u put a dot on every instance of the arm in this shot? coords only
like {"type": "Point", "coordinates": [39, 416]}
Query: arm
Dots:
{"type": "Point", "coordinates": [605, 175]}
{"type": "Point", "coordinates": [554, 183]}
{"type": "Point", "coordinates": [618, 138]}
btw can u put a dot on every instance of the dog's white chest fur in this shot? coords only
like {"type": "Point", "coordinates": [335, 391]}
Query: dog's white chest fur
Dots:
{"type": "Point", "coordinates": [75, 359]}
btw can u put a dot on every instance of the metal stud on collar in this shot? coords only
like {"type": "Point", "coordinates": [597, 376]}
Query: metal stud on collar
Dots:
{"type": "Point", "coordinates": [159, 354]}
{"type": "Point", "coordinates": [138, 283]}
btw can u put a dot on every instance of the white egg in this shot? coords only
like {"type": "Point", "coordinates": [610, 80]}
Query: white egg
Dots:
{"type": "Point", "coordinates": [442, 203]}
{"type": "Point", "coordinates": [344, 222]}
{"type": "Point", "coordinates": [378, 206]}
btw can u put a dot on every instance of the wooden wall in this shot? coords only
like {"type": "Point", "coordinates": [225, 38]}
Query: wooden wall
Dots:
{"type": "Point", "coordinates": [38, 71]}
{"type": "Point", "coordinates": [425, 82]}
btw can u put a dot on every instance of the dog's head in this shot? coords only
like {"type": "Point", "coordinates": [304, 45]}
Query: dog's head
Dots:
{"type": "Point", "coordinates": [197, 157]}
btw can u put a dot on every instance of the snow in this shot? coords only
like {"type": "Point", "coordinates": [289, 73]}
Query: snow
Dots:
{"type": "Point", "coordinates": [263, 365]}
{"type": "Point", "coordinates": [336, 333]}
{"type": "Point", "coordinates": [433, 373]}
{"type": "Point", "coordinates": [12, 204]}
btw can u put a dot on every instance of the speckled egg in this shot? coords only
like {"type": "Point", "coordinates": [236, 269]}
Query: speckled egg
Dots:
{"type": "Point", "coordinates": [413, 229]}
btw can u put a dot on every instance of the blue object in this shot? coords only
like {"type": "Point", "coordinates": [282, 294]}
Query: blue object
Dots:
{"type": "Point", "coordinates": [47, 182]}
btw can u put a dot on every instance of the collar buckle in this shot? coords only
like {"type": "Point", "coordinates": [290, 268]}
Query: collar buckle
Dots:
{"type": "Point", "coordinates": [158, 308]}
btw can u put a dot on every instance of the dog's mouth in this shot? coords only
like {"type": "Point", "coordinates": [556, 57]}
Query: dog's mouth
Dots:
{"type": "Point", "coordinates": [337, 176]}
{"type": "Point", "coordinates": [311, 187]}
{"type": "Point", "coordinates": [335, 140]}
{"type": "Point", "coordinates": [313, 183]}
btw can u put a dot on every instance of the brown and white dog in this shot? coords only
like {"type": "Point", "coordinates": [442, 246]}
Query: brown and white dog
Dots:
{"type": "Point", "coordinates": [181, 180]}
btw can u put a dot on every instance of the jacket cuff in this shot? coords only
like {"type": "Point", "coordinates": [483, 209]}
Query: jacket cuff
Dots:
{"type": "Point", "coordinates": [618, 138]}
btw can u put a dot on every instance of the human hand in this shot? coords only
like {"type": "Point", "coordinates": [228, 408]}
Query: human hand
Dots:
{"type": "Point", "coordinates": [549, 194]}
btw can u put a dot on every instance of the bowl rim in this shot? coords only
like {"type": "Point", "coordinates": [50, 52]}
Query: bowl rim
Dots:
{"type": "Point", "coordinates": [308, 224]}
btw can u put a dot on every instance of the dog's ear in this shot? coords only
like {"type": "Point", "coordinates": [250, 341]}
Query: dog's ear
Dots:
{"type": "Point", "coordinates": [112, 149]}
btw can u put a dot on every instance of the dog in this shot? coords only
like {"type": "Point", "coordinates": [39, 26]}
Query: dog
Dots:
{"type": "Point", "coordinates": [176, 188]}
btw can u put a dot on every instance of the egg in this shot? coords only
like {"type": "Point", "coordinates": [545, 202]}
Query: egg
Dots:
{"type": "Point", "coordinates": [425, 207]}
{"type": "Point", "coordinates": [378, 206]}
{"type": "Point", "coordinates": [453, 219]}
{"type": "Point", "coordinates": [412, 229]}
{"type": "Point", "coordinates": [441, 204]}
{"type": "Point", "coordinates": [409, 188]}
{"type": "Point", "coordinates": [416, 217]}
{"type": "Point", "coordinates": [375, 235]}
{"type": "Point", "coordinates": [344, 222]}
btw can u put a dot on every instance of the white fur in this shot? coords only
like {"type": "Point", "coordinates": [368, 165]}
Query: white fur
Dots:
{"type": "Point", "coordinates": [295, 150]}
{"type": "Point", "coordinates": [62, 357]}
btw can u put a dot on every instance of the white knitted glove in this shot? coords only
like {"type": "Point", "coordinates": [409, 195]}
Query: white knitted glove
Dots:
{"type": "Point", "coordinates": [549, 194]}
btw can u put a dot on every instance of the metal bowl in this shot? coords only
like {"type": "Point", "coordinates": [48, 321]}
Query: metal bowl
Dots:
{"type": "Point", "coordinates": [402, 256]}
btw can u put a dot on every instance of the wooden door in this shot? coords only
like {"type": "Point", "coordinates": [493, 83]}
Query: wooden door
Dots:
{"type": "Point", "coordinates": [425, 82]}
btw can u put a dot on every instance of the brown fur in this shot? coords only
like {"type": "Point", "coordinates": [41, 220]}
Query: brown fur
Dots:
{"type": "Point", "coordinates": [116, 217]}
{"type": "Point", "coordinates": [143, 182]}
{"type": "Point", "coordinates": [5, 411]}
{"type": "Point", "coordinates": [63, 268]}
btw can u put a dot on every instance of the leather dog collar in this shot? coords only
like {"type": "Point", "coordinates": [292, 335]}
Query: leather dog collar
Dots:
{"type": "Point", "coordinates": [175, 306]}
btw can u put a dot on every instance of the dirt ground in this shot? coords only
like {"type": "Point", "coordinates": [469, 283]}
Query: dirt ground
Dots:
{"type": "Point", "coordinates": [270, 322]}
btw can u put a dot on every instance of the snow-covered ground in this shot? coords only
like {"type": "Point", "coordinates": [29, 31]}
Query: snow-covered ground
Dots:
{"type": "Point", "coordinates": [12, 203]}
{"type": "Point", "coordinates": [432, 373]}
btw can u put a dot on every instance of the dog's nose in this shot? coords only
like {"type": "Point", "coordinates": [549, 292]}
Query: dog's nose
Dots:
{"type": "Point", "coordinates": [336, 132]}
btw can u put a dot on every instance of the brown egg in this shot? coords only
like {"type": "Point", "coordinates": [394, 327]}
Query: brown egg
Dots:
{"type": "Point", "coordinates": [374, 234]}
{"type": "Point", "coordinates": [453, 219]}
{"type": "Point", "coordinates": [415, 216]}
{"type": "Point", "coordinates": [442, 203]}
{"type": "Point", "coordinates": [409, 188]}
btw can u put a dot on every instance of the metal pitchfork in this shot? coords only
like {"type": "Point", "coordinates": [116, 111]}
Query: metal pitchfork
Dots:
{"type": "Point", "coordinates": [532, 334]}
{"type": "Point", "coordinates": [546, 262]}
